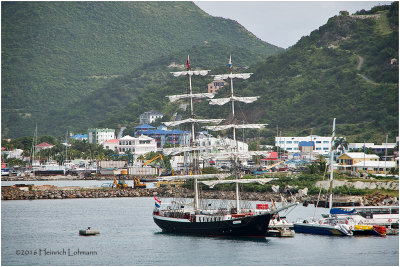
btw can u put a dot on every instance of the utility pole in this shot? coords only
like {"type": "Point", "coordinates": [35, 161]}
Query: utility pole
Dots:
{"type": "Point", "coordinates": [277, 142]}
{"type": "Point", "coordinates": [364, 158]}
{"type": "Point", "coordinates": [311, 143]}
{"type": "Point", "coordinates": [386, 153]}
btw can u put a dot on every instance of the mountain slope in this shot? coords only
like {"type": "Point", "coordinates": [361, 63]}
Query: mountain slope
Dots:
{"type": "Point", "coordinates": [315, 80]}
{"type": "Point", "coordinates": [53, 53]}
{"type": "Point", "coordinates": [122, 100]}
{"type": "Point", "coordinates": [318, 79]}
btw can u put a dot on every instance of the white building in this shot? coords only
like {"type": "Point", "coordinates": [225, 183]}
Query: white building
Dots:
{"type": "Point", "coordinates": [322, 145]}
{"type": "Point", "coordinates": [214, 144]}
{"type": "Point", "coordinates": [150, 116]}
{"type": "Point", "coordinates": [111, 144]}
{"type": "Point", "coordinates": [99, 136]}
{"type": "Point", "coordinates": [376, 148]}
{"type": "Point", "coordinates": [374, 167]}
{"type": "Point", "coordinates": [136, 145]}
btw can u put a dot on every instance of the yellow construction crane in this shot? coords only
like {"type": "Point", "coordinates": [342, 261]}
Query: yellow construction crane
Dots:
{"type": "Point", "coordinates": [153, 159]}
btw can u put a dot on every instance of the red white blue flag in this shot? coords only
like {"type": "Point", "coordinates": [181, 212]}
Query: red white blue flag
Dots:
{"type": "Point", "coordinates": [230, 63]}
{"type": "Point", "coordinates": [157, 203]}
{"type": "Point", "coordinates": [188, 63]}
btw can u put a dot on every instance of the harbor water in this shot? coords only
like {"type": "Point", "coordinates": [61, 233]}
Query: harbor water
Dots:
{"type": "Point", "coordinates": [45, 232]}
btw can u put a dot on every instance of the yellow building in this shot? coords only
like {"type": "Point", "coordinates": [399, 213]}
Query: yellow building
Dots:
{"type": "Point", "coordinates": [347, 161]}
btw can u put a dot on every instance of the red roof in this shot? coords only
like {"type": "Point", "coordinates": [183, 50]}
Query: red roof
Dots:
{"type": "Point", "coordinates": [3, 148]}
{"type": "Point", "coordinates": [112, 141]}
{"type": "Point", "coordinates": [272, 156]}
{"type": "Point", "coordinates": [44, 145]}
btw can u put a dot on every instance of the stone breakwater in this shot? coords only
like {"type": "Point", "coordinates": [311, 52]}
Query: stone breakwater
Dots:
{"type": "Point", "coordinates": [14, 193]}
{"type": "Point", "coordinates": [53, 192]}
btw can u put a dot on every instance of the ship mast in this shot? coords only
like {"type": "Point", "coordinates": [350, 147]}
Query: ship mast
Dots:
{"type": "Point", "coordinates": [331, 163]}
{"type": "Point", "coordinates": [236, 149]}
{"type": "Point", "coordinates": [232, 99]}
{"type": "Point", "coordinates": [192, 119]}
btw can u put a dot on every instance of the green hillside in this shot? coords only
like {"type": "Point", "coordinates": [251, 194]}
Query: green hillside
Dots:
{"type": "Point", "coordinates": [322, 77]}
{"type": "Point", "coordinates": [319, 78]}
{"type": "Point", "coordinates": [122, 100]}
{"type": "Point", "coordinates": [55, 53]}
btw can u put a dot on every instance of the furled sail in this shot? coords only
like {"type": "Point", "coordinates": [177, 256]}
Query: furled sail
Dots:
{"type": "Point", "coordinates": [262, 181]}
{"type": "Point", "coordinates": [236, 126]}
{"type": "Point", "coordinates": [177, 150]}
{"type": "Point", "coordinates": [195, 176]}
{"type": "Point", "coordinates": [223, 101]}
{"type": "Point", "coordinates": [173, 98]}
{"type": "Point", "coordinates": [231, 75]}
{"type": "Point", "coordinates": [230, 155]}
{"type": "Point", "coordinates": [190, 72]}
{"type": "Point", "coordinates": [190, 120]}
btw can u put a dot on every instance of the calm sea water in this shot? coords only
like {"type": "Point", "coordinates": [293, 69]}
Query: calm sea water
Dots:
{"type": "Point", "coordinates": [30, 229]}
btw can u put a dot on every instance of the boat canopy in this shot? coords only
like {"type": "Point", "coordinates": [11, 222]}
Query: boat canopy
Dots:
{"type": "Point", "coordinates": [340, 211]}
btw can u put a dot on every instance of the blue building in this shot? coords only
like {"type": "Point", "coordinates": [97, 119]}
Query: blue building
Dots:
{"type": "Point", "coordinates": [80, 137]}
{"type": "Point", "coordinates": [163, 136]}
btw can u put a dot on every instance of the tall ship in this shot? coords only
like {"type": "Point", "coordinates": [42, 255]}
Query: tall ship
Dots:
{"type": "Point", "coordinates": [204, 217]}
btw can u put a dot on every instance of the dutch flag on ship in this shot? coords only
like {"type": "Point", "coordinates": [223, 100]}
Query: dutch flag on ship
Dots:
{"type": "Point", "coordinates": [157, 203]}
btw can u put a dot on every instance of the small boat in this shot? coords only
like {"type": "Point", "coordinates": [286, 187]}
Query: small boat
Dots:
{"type": "Point", "coordinates": [279, 227]}
{"type": "Point", "coordinates": [326, 226]}
{"type": "Point", "coordinates": [369, 230]}
{"type": "Point", "coordinates": [369, 215]}
{"type": "Point", "coordinates": [89, 231]}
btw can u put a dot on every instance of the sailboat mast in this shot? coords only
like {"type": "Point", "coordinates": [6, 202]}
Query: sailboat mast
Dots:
{"type": "Point", "coordinates": [191, 107]}
{"type": "Point", "coordinates": [233, 109]}
{"type": "Point", "coordinates": [331, 163]}
{"type": "Point", "coordinates": [196, 188]}
{"type": "Point", "coordinates": [34, 149]}
{"type": "Point", "coordinates": [234, 139]}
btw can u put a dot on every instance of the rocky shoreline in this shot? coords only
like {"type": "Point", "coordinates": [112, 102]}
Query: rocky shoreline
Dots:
{"type": "Point", "coordinates": [53, 192]}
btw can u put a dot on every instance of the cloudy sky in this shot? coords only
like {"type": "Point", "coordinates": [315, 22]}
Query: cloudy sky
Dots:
{"type": "Point", "coordinates": [282, 23]}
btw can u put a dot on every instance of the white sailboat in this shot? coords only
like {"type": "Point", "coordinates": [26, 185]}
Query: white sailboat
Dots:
{"type": "Point", "coordinates": [325, 226]}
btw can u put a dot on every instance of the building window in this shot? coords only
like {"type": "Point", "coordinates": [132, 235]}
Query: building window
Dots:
{"type": "Point", "coordinates": [295, 142]}
{"type": "Point", "coordinates": [326, 148]}
{"type": "Point", "coordinates": [288, 142]}
{"type": "Point", "coordinates": [318, 148]}
{"type": "Point", "coordinates": [318, 142]}
{"type": "Point", "coordinates": [289, 148]}
{"type": "Point", "coordinates": [326, 142]}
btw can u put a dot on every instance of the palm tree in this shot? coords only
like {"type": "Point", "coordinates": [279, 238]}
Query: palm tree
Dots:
{"type": "Point", "coordinates": [341, 144]}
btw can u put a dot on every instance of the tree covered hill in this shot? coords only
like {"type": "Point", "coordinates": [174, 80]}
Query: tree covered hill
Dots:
{"type": "Point", "coordinates": [56, 53]}
{"type": "Point", "coordinates": [344, 69]}
{"type": "Point", "coordinates": [341, 70]}
{"type": "Point", "coordinates": [122, 100]}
